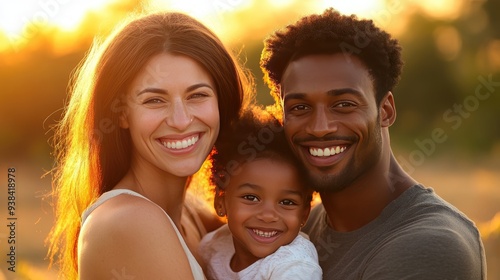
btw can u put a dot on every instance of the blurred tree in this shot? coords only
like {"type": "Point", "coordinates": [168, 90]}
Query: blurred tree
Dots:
{"type": "Point", "coordinates": [446, 63]}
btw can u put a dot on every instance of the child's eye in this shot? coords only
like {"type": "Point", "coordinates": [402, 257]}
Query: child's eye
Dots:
{"type": "Point", "coordinates": [288, 202]}
{"type": "Point", "coordinates": [250, 197]}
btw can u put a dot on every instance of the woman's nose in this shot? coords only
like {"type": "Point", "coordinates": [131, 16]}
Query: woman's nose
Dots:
{"type": "Point", "coordinates": [179, 116]}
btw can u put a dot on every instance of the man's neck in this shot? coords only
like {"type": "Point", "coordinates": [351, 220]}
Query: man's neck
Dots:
{"type": "Point", "coordinates": [364, 200]}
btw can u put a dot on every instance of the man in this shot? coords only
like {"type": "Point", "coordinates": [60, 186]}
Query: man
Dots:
{"type": "Point", "coordinates": [333, 75]}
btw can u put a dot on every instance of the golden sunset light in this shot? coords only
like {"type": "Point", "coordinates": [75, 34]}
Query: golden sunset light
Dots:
{"type": "Point", "coordinates": [359, 7]}
{"type": "Point", "coordinates": [449, 87]}
{"type": "Point", "coordinates": [66, 15]}
{"type": "Point", "coordinates": [20, 21]}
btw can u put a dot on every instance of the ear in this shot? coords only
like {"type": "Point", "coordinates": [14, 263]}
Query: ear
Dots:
{"type": "Point", "coordinates": [219, 206]}
{"type": "Point", "coordinates": [387, 111]}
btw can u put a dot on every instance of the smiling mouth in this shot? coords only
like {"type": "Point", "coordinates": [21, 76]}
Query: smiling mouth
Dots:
{"type": "Point", "coordinates": [180, 144]}
{"type": "Point", "coordinates": [326, 152]}
{"type": "Point", "coordinates": [266, 234]}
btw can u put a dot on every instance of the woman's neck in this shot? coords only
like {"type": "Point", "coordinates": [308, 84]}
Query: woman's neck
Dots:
{"type": "Point", "coordinates": [166, 190]}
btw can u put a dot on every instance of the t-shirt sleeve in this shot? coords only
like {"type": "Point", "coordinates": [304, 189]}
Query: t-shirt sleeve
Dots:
{"type": "Point", "coordinates": [204, 246]}
{"type": "Point", "coordinates": [426, 254]}
{"type": "Point", "coordinates": [297, 270]}
{"type": "Point", "coordinates": [297, 260]}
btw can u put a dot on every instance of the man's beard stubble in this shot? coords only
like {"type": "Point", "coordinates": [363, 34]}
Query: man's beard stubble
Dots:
{"type": "Point", "coordinates": [328, 183]}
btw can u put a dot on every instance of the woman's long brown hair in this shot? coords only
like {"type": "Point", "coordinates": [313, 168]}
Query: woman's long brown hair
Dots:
{"type": "Point", "coordinates": [92, 152]}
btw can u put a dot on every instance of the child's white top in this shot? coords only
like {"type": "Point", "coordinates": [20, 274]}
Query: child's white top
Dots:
{"type": "Point", "coordinates": [297, 260]}
{"type": "Point", "coordinates": [195, 267]}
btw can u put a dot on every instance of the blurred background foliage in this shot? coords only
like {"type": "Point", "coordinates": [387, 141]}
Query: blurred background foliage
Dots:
{"type": "Point", "coordinates": [450, 48]}
{"type": "Point", "coordinates": [444, 57]}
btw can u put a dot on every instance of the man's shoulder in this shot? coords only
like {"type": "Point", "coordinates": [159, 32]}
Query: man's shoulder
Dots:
{"type": "Point", "coordinates": [418, 207]}
{"type": "Point", "coordinates": [427, 210]}
{"type": "Point", "coordinates": [417, 233]}
{"type": "Point", "coordinates": [418, 218]}
{"type": "Point", "coordinates": [431, 250]}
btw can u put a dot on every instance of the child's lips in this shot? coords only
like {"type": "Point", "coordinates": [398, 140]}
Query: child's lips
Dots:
{"type": "Point", "coordinates": [265, 235]}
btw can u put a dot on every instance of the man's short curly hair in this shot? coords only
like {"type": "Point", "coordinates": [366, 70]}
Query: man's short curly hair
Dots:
{"type": "Point", "coordinates": [331, 33]}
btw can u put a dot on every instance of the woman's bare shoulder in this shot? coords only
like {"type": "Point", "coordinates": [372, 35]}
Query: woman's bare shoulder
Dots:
{"type": "Point", "coordinates": [132, 236]}
{"type": "Point", "coordinates": [124, 209]}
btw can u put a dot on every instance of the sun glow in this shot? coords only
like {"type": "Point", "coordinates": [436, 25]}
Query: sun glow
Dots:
{"type": "Point", "coordinates": [362, 8]}
{"type": "Point", "coordinates": [22, 20]}
{"type": "Point", "coordinates": [62, 20]}
{"type": "Point", "coordinates": [448, 9]}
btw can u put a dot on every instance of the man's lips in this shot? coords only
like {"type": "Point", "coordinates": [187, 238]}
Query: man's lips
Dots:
{"type": "Point", "coordinates": [326, 152]}
{"type": "Point", "coordinates": [325, 146]}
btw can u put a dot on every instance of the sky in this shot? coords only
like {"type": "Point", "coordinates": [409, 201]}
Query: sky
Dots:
{"type": "Point", "coordinates": [63, 19]}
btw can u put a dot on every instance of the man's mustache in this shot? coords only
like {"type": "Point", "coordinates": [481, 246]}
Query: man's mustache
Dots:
{"type": "Point", "coordinates": [328, 137]}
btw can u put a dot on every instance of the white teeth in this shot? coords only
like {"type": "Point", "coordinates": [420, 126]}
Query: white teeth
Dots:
{"type": "Point", "coordinates": [265, 233]}
{"type": "Point", "coordinates": [326, 152]}
{"type": "Point", "coordinates": [176, 145]}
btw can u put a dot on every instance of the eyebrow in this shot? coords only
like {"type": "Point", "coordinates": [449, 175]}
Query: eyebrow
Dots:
{"type": "Point", "coordinates": [332, 92]}
{"type": "Point", "coordinates": [248, 185]}
{"type": "Point", "coordinates": [253, 186]}
{"type": "Point", "coordinates": [162, 91]}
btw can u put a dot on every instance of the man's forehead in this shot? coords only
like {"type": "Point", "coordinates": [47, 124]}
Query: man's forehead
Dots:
{"type": "Point", "coordinates": [324, 72]}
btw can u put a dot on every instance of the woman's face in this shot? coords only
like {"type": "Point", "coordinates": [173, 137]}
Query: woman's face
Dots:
{"type": "Point", "coordinates": [172, 114]}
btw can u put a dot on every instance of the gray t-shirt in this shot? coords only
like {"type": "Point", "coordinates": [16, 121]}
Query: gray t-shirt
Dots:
{"type": "Point", "coordinates": [417, 236]}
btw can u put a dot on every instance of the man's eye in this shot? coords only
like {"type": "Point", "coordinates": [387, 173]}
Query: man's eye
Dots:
{"type": "Point", "coordinates": [344, 104]}
{"type": "Point", "coordinates": [250, 197]}
{"type": "Point", "coordinates": [298, 108]}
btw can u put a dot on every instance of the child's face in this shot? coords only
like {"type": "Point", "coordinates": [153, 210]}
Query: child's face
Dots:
{"type": "Point", "coordinates": [266, 205]}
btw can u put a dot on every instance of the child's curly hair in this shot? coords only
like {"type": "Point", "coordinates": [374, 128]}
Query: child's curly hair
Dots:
{"type": "Point", "coordinates": [257, 134]}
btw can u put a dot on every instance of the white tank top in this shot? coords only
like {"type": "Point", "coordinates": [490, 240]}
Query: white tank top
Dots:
{"type": "Point", "coordinates": [195, 267]}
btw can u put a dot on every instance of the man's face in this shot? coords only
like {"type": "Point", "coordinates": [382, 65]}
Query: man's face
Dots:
{"type": "Point", "coordinates": [331, 118]}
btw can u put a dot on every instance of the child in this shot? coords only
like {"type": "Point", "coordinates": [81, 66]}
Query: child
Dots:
{"type": "Point", "coordinates": [260, 189]}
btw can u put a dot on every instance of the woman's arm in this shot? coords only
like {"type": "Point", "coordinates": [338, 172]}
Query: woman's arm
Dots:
{"type": "Point", "coordinates": [130, 237]}
{"type": "Point", "coordinates": [197, 206]}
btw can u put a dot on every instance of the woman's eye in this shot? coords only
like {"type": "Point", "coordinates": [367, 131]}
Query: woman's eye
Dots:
{"type": "Point", "coordinates": [153, 101]}
{"type": "Point", "coordinates": [250, 197]}
{"type": "Point", "coordinates": [288, 202]}
{"type": "Point", "coordinates": [198, 95]}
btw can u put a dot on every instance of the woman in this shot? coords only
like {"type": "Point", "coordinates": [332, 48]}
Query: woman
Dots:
{"type": "Point", "coordinates": [146, 108]}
